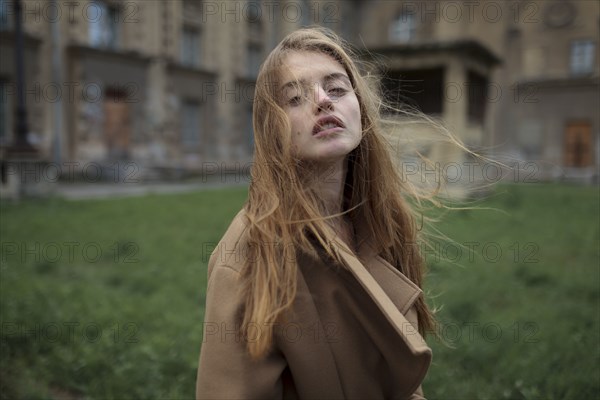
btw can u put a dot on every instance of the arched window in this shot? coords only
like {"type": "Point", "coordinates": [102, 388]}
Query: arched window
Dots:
{"type": "Point", "coordinates": [403, 28]}
{"type": "Point", "coordinates": [104, 24]}
{"type": "Point", "coordinates": [582, 56]}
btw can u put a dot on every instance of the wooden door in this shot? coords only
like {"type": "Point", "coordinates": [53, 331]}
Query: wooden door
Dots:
{"type": "Point", "coordinates": [578, 147]}
{"type": "Point", "coordinates": [117, 126]}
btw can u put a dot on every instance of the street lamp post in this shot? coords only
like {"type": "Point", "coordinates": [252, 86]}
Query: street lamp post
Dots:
{"type": "Point", "coordinates": [21, 143]}
{"type": "Point", "coordinates": [20, 158]}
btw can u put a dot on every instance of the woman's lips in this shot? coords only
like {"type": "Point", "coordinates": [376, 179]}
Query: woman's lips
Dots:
{"type": "Point", "coordinates": [327, 124]}
{"type": "Point", "coordinates": [328, 131]}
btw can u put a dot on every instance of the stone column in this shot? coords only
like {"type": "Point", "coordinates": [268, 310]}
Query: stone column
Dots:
{"type": "Point", "coordinates": [454, 115]}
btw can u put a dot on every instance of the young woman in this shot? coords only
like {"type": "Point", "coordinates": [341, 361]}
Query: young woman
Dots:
{"type": "Point", "coordinates": [314, 292]}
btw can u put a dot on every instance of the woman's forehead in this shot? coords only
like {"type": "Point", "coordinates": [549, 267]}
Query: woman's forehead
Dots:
{"type": "Point", "coordinates": [309, 66]}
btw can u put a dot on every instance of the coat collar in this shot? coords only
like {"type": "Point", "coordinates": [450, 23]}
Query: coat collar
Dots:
{"type": "Point", "coordinates": [392, 291]}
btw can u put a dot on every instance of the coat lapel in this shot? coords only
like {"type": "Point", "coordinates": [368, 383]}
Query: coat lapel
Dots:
{"type": "Point", "coordinates": [325, 381]}
{"type": "Point", "coordinates": [375, 274]}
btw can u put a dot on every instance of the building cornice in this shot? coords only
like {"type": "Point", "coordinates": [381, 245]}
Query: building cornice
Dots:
{"type": "Point", "coordinates": [125, 56]}
{"type": "Point", "coordinates": [468, 48]}
{"type": "Point", "coordinates": [583, 81]}
{"type": "Point", "coordinates": [29, 40]}
{"type": "Point", "coordinates": [179, 68]}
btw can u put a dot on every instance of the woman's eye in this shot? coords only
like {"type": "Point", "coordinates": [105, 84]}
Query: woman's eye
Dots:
{"type": "Point", "coordinates": [294, 100]}
{"type": "Point", "coordinates": [337, 91]}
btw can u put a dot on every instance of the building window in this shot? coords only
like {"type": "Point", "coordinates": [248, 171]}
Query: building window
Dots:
{"type": "Point", "coordinates": [254, 58]}
{"type": "Point", "coordinates": [253, 11]}
{"type": "Point", "coordinates": [403, 28]}
{"type": "Point", "coordinates": [104, 28]}
{"type": "Point", "coordinates": [582, 57]}
{"type": "Point", "coordinates": [417, 89]}
{"type": "Point", "coordinates": [190, 123]}
{"type": "Point", "coordinates": [254, 39]}
{"type": "Point", "coordinates": [305, 10]}
{"type": "Point", "coordinates": [249, 128]}
{"type": "Point", "coordinates": [6, 15]}
{"type": "Point", "coordinates": [477, 90]}
{"type": "Point", "coordinates": [255, 30]}
{"type": "Point", "coordinates": [190, 47]}
{"type": "Point", "coordinates": [4, 111]}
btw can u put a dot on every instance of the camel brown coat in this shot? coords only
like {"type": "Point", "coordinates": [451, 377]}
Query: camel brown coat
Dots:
{"type": "Point", "coordinates": [352, 334]}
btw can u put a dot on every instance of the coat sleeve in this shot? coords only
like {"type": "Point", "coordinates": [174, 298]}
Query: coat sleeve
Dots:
{"type": "Point", "coordinates": [418, 395]}
{"type": "Point", "coordinates": [413, 319]}
{"type": "Point", "coordinates": [225, 369]}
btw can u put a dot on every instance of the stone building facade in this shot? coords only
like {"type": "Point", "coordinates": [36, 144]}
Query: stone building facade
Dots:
{"type": "Point", "coordinates": [167, 86]}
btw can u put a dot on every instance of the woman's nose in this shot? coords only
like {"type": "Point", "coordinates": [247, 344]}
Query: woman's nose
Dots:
{"type": "Point", "coordinates": [322, 100]}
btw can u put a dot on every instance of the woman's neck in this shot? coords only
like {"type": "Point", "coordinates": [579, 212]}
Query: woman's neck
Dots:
{"type": "Point", "coordinates": [329, 181]}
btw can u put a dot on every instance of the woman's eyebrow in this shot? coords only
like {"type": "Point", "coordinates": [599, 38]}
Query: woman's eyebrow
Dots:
{"type": "Point", "coordinates": [327, 78]}
{"type": "Point", "coordinates": [293, 84]}
{"type": "Point", "coordinates": [336, 76]}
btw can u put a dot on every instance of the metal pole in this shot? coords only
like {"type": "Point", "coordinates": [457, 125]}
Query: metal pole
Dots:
{"type": "Point", "coordinates": [21, 141]}
{"type": "Point", "coordinates": [57, 76]}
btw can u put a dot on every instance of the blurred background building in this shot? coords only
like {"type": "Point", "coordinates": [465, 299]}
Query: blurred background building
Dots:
{"type": "Point", "coordinates": [167, 86]}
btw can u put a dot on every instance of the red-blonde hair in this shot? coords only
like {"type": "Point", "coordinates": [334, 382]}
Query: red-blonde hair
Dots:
{"type": "Point", "coordinates": [282, 209]}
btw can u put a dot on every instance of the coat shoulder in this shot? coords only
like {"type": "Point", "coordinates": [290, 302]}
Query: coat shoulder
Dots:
{"type": "Point", "coordinates": [232, 249]}
{"type": "Point", "coordinates": [402, 291]}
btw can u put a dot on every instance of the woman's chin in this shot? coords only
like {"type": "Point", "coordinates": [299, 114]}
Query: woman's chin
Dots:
{"type": "Point", "coordinates": [330, 150]}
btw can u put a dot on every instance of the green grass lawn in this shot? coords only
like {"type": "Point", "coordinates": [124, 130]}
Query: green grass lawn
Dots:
{"type": "Point", "coordinates": [104, 299]}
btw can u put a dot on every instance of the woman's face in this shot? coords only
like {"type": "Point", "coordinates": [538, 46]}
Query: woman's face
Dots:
{"type": "Point", "coordinates": [322, 107]}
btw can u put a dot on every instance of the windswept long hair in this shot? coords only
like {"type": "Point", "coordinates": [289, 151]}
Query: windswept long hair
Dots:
{"type": "Point", "coordinates": [283, 210]}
